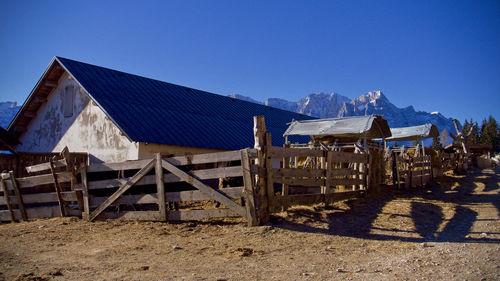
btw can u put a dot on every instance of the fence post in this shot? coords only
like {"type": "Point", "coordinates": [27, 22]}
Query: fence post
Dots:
{"type": "Point", "coordinates": [284, 187]}
{"type": "Point", "coordinates": [85, 192]}
{"type": "Point", "coordinates": [160, 188]}
{"type": "Point", "coordinates": [262, 203]}
{"type": "Point", "coordinates": [7, 198]}
{"type": "Point", "coordinates": [249, 191]}
{"type": "Point", "coordinates": [19, 197]}
{"type": "Point", "coordinates": [58, 188]}
{"type": "Point", "coordinates": [271, 198]}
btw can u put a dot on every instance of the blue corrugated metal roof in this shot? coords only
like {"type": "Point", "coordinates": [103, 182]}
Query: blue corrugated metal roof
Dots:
{"type": "Point", "coordinates": [153, 111]}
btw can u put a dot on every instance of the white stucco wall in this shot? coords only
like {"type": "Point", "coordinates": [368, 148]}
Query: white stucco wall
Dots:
{"type": "Point", "coordinates": [88, 130]}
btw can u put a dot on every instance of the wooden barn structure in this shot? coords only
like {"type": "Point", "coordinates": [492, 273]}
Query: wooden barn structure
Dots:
{"type": "Point", "coordinates": [116, 116]}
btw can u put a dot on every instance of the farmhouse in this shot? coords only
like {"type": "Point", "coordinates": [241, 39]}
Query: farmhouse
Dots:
{"type": "Point", "coordinates": [117, 116]}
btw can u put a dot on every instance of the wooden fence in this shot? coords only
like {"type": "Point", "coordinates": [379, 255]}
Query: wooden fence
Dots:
{"type": "Point", "coordinates": [144, 189]}
{"type": "Point", "coordinates": [413, 171]}
{"type": "Point", "coordinates": [308, 176]}
{"type": "Point", "coordinates": [18, 163]}
{"type": "Point", "coordinates": [43, 195]}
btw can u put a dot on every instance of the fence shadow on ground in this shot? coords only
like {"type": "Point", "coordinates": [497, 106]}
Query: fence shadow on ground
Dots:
{"type": "Point", "coordinates": [357, 220]}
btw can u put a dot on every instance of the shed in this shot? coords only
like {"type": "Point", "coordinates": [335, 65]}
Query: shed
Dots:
{"type": "Point", "coordinates": [414, 133]}
{"type": "Point", "coordinates": [349, 128]}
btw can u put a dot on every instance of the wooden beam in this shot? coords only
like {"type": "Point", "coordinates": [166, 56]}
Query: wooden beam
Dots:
{"type": "Point", "coordinates": [204, 188]}
{"type": "Point", "coordinates": [50, 83]}
{"type": "Point", "coordinates": [132, 181]}
{"type": "Point", "coordinates": [249, 189]}
{"type": "Point", "coordinates": [29, 114]}
{"type": "Point", "coordinates": [19, 197]}
{"type": "Point", "coordinates": [160, 188]}
{"type": "Point", "coordinates": [45, 166]}
{"type": "Point", "coordinates": [7, 199]}
{"type": "Point", "coordinates": [39, 99]}
{"type": "Point", "coordinates": [57, 188]}
{"type": "Point", "coordinates": [85, 192]}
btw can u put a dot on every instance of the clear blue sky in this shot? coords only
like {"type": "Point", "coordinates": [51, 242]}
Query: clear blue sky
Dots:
{"type": "Point", "coordinates": [436, 55]}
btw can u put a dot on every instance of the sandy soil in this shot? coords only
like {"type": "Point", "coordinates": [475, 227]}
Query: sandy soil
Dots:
{"type": "Point", "coordinates": [449, 231]}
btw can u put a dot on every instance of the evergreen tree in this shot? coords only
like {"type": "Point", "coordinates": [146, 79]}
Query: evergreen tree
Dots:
{"type": "Point", "coordinates": [489, 132]}
{"type": "Point", "coordinates": [474, 137]}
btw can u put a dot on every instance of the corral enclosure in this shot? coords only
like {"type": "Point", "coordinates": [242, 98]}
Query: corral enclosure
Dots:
{"type": "Point", "coordinates": [250, 183]}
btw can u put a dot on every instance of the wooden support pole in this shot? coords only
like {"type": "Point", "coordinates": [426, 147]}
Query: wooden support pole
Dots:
{"type": "Point", "coordinates": [7, 199]}
{"type": "Point", "coordinates": [262, 202]}
{"type": "Point", "coordinates": [19, 196]}
{"type": "Point", "coordinates": [160, 188]}
{"type": "Point", "coordinates": [57, 188]}
{"type": "Point", "coordinates": [85, 193]}
{"type": "Point", "coordinates": [269, 173]}
{"type": "Point", "coordinates": [284, 187]}
{"type": "Point", "coordinates": [249, 191]}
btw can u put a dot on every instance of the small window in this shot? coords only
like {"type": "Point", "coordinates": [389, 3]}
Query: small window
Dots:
{"type": "Point", "coordinates": [68, 100]}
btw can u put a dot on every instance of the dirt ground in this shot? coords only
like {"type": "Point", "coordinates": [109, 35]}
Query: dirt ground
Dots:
{"type": "Point", "coordinates": [449, 231]}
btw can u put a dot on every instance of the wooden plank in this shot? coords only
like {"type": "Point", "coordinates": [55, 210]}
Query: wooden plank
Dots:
{"type": "Point", "coordinates": [19, 197]}
{"type": "Point", "coordinates": [40, 198]}
{"type": "Point", "coordinates": [291, 172]}
{"type": "Point", "coordinates": [179, 196]}
{"type": "Point", "coordinates": [269, 168]}
{"type": "Point", "coordinates": [302, 182]}
{"type": "Point", "coordinates": [248, 191]}
{"type": "Point", "coordinates": [335, 182]}
{"type": "Point", "coordinates": [201, 214]}
{"type": "Point", "coordinates": [57, 187]}
{"type": "Point", "coordinates": [126, 165]}
{"type": "Point", "coordinates": [39, 212]}
{"type": "Point", "coordinates": [49, 212]}
{"type": "Point", "coordinates": [330, 173]}
{"type": "Point", "coordinates": [45, 166]}
{"type": "Point", "coordinates": [172, 215]}
{"type": "Point", "coordinates": [6, 215]}
{"type": "Point", "coordinates": [348, 157]}
{"type": "Point", "coordinates": [204, 188]}
{"type": "Point", "coordinates": [43, 179]}
{"type": "Point", "coordinates": [7, 199]}
{"type": "Point", "coordinates": [132, 215]}
{"type": "Point", "coordinates": [225, 156]}
{"type": "Point", "coordinates": [168, 178]}
{"type": "Point", "coordinates": [285, 152]}
{"type": "Point", "coordinates": [343, 172]}
{"type": "Point", "coordinates": [132, 181]}
{"type": "Point", "coordinates": [85, 192]}
{"type": "Point", "coordinates": [284, 187]}
{"type": "Point", "coordinates": [178, 161]}
{"type": "Point", "coordinates": [160, 188]}
{"type": "Point", "coordinates": [311, 199]}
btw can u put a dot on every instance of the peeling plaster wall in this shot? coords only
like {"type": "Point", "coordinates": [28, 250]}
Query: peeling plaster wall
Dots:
{"type": "Point", "coordinates": [147, 150]}
{"type": "Point", "coordinates": [87, 130]}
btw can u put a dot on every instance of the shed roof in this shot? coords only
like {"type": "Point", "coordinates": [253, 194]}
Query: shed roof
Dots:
{"type": "Point", "coordinates": [414, 133]}
{"type": "Point", "coordinates": [152, 111]}
{"type": "Point", "coordinates": [374, 126]}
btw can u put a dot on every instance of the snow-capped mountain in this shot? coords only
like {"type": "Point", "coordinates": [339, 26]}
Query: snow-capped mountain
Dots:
{"type": "Point", "coordinates": [318, 105]}
{"type": "Point", "coordinates": [335, 105]}
{"type": "Point", "coordinates": [8, 110]}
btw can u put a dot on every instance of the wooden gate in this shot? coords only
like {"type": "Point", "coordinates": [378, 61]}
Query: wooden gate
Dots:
{"type": "Point", "coordinates": [307, 176]}
{"type": "Point", "coordinates": [144, 189]}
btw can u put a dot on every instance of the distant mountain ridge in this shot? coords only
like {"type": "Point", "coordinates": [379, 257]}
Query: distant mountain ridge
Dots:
{"type": "Point", "coordinates": [8, 110]}
{"type": "Point", "coordinates": [334, 105]}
